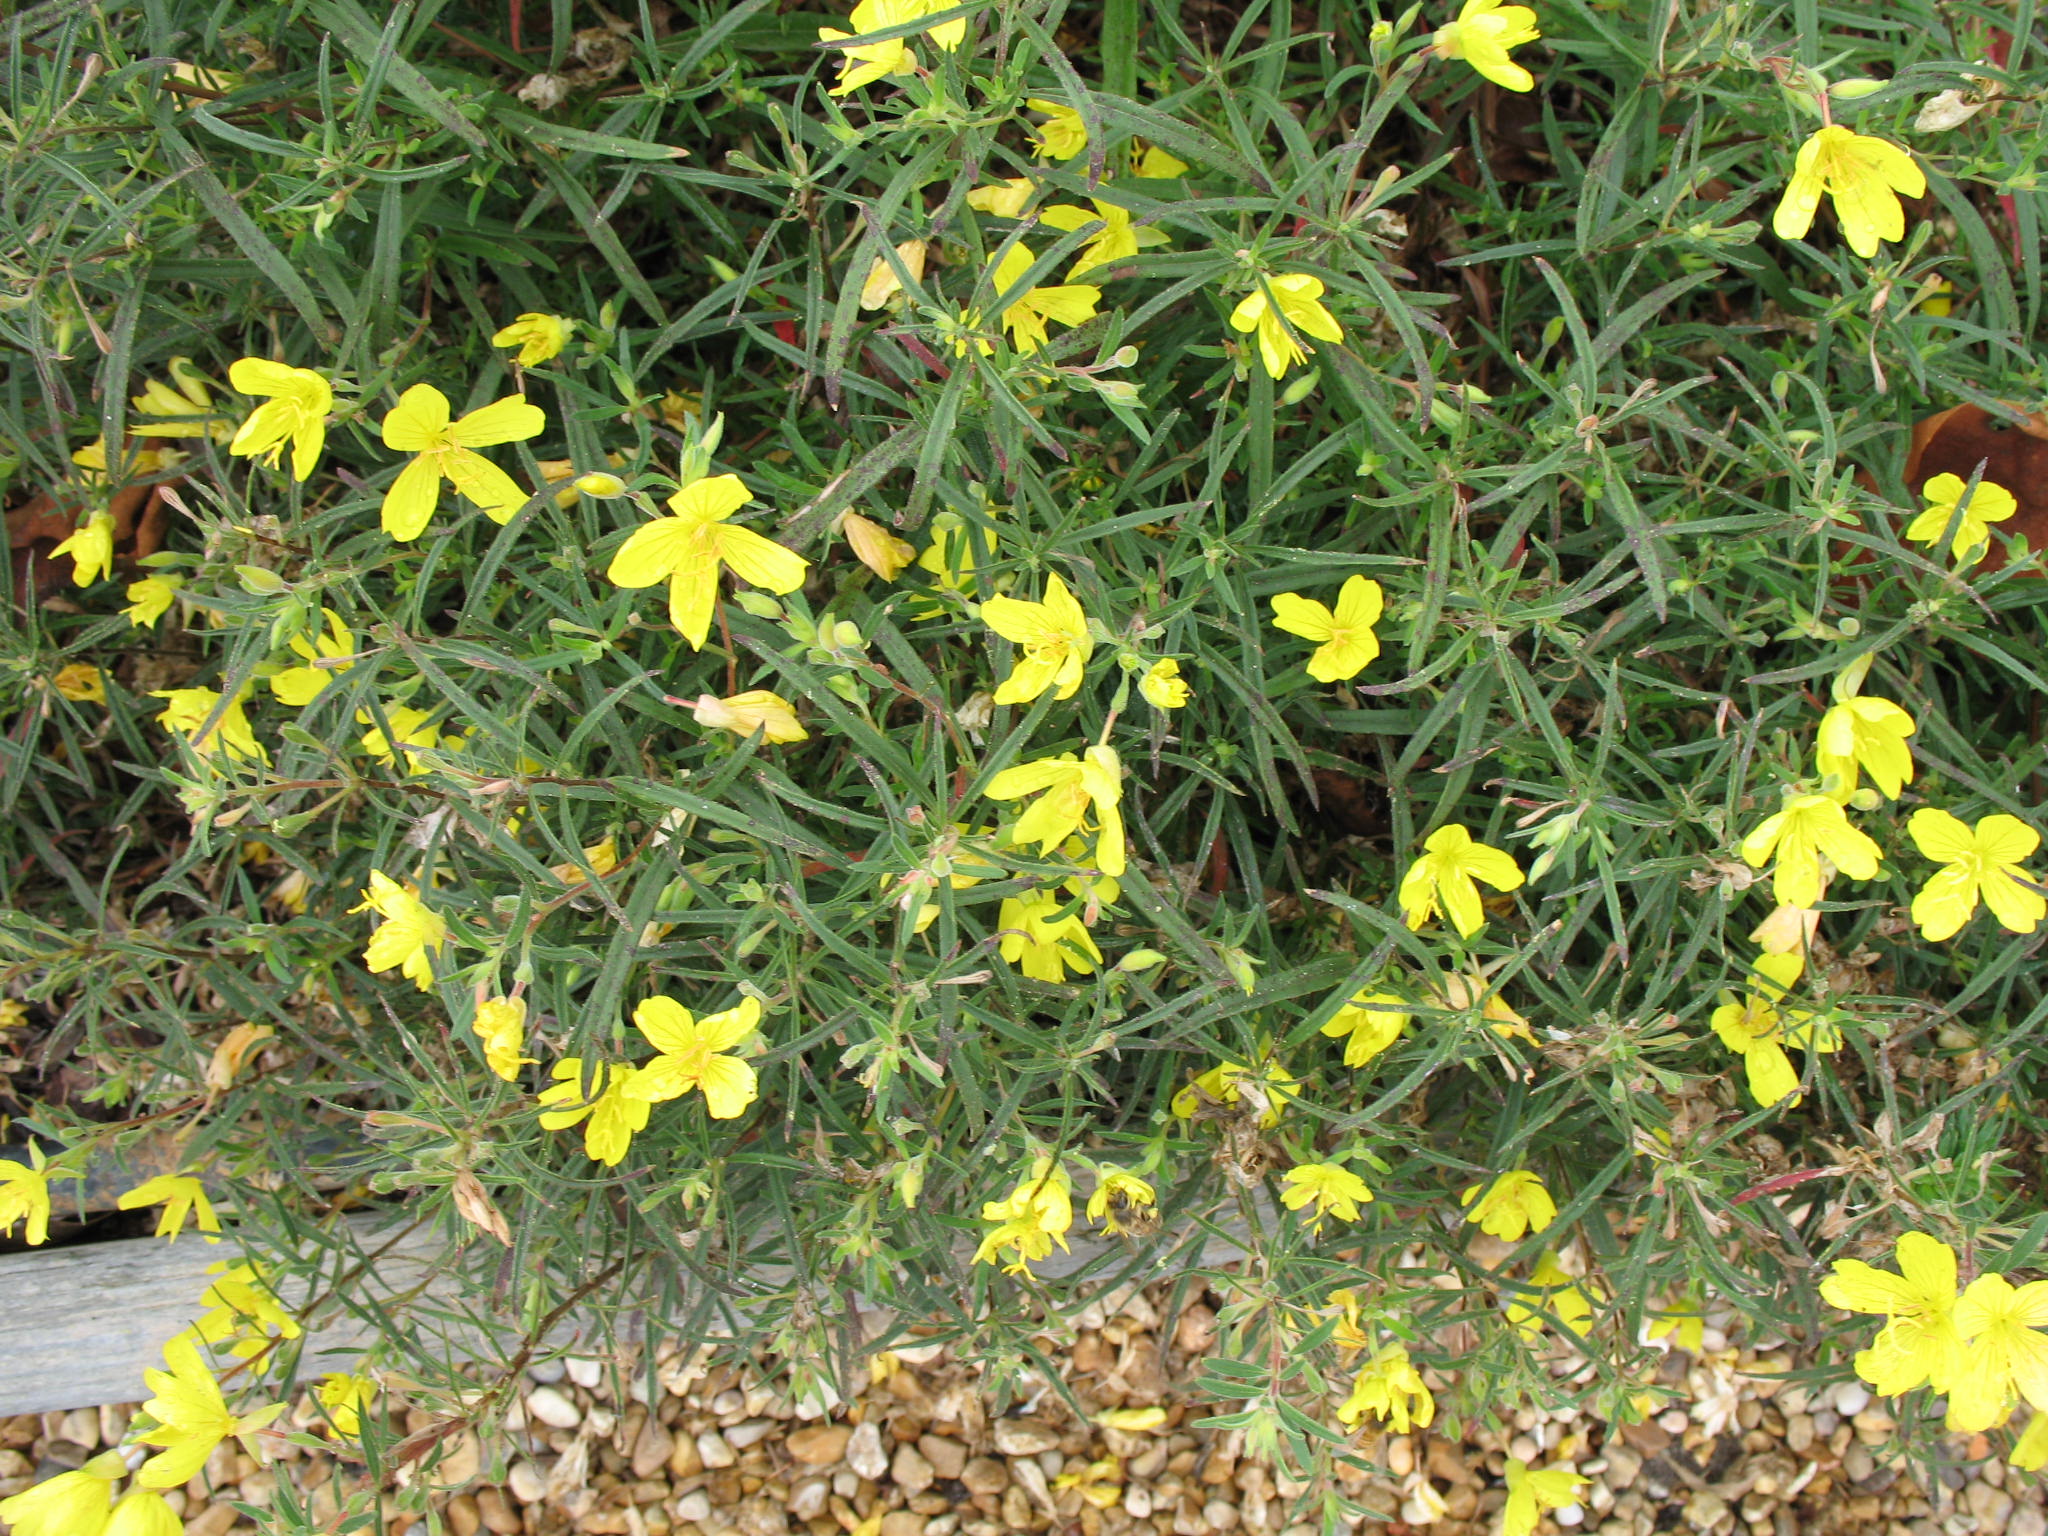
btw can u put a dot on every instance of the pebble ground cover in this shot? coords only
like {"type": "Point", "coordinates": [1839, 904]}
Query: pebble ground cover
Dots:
{"type": "Point", "coordinates": [772, 664]}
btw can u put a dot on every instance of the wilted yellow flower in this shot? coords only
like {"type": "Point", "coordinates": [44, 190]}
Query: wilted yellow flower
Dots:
{"type": "Point", "coordinates": [687, 549]}
{"type": "Point", "coordinates": [1098, 1483]}
{"type": "Point", "coordinates": [1291, 299]}
{"type": "Point", "coordinates": [1984, 862]}
{"type": "Point", "coordinates": [1055, 638]}
{"type": "Point", "coordinates": [1482, 35]}
{"type": "Point", "coordinates": [875, 546]}
{"type": "Point", "coordinates": [446, 450]}
{"type": "Point", "coordinates": [1460, 991]}
{"type": "Point", "coordinates": [409, 934]}
{"type": "Point", "coordinates": [1973, 518]}
{"type": "Point", "coordinates": [1042, 943]}
{"type": "Point", "coordinates": [612, 1111]}
{"type": "Point", "coordinates": [188, 711]}
{"type": "Point", "coordinates": [1063, 135]}
{"type": "Point", "coordinates": [1809, 826]}
{"type": "Point", "coordinates": [882, 283]}
{"type": "Point", "coordinates": [1367, 1025]}
{"type": "Point", "coordinates": [81, 682]}
{"type": "Point", "coordinates": [693, 1055]}
{"type": "Point", "coordinates": [538, 338]}
{"type": "Point", "coordinates": [1118, 240]}
{"type": "Point", "coordinates": [1162, 686]}
{"type": "Point", "coordinates": [1867, 734]}
{"type": "Point", "coordinates": [91, 549]}
{"type": "Point", "coordinates": [1230, 1083]}
{"type": "Point", "coordinates": [1391, 1390]}
{"type": "Point", "coordinates": [300, 686]}
{"type": "Point", "coordinates": [186, 400]}
{"type": "Point", "coordinates": [1330, 1188]}
{"type": "Point", "coordinates": [1863, 175]}
{"type": "Point", "coordinates": [150, 598]}
{"type": "Point", "coordinates": [181, 1195]}
{"type": "Point", "coordinates": [1345, 642]}
{"type": "Point", "coordinates": [1514, 1205]}
{"type": "Point", "coordinates": [296, 413]}
{"type": "Point", "coordinates": [500, 1023]}
{"type": "Point", "coordinates": [1442, 879]}
{"type": "Point", "coordinates": [745, 713]}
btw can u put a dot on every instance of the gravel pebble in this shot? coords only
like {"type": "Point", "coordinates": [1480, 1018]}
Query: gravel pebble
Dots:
{"type": "Point", "coordinates": [551, 1407]}
{"type": "Point", "coordinates": [864, 1453]}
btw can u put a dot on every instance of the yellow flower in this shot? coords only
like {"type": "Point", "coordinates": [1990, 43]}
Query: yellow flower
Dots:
{"type": "Point", "coordinates": [1808, 827]}
{"type": "Point", "coordinates": [1230, 1082]}
{"type": "Point", "coordinates": [186, 400]}
{"type": "Point", "coordinates": [1869, 734]}
{"type": "Point", "coordinates": [181, 1195]}
{"type": "Point", "coordinates": [1752, 1028]}
{"type": "Point", "coordinates": [882, 283]}
{"type": "Point", "coordinates": [1863, 175]}
{"type": "Point", "coordinates": [1920, 1344]}
{"type": "Point", "coordinates": [1054, 634]}
{"type": "Point", "coordinates": [1482, 35]}
{"type": "Point", "coordinates": [602, 856]}
{"type": "Point", "coordinates": [950, 555]}
{"type": "Point", "coordinates": [1099, 1482]}
{"type": "Point", "coordinates": [1973, 518]}
{"type": "Point", "coordinates": [1034, 1216]}
{"type": "Point", "coordinates": [500, 1023]}
{"type": "Point", "coordinates": [69, 1504]}
{"type": "Point", "coordinates": [81, 683]}
{"type": "Point", "coordinates": [187, 715]}
{"type": "Point", "coordinates": [1069, 788]}
{"type": "Point", "coordinates": [2005, 1356]}
{"type": "Point", "coordinates": [345, 1396]}
{"type": "Point", "coordinates": [538, 338]}
{"type": "Point", "coordinates": [25, 1196]}
{"type": "Point", "coordinates": [614, 1114]}
{"type": "Point", "coordinates": [1560, 1296]}
{"type": "Point", "coordinates": [1367, 1025]}
{"type": "Point", "coordinates": [1981, 863]}
{"type": "Point", "coordinates": [412, 733]}
{"type": "Point", "coordinates": [409, 933]}
{"type": "Point", "coordinates": [92, 458]}
{"type": "Point", "coordinates": [1391, 1390]}
{"type": "Point", "coordinates": [1460, 992]}
{"type": "Point", "coordinates": [1514, 1205]}
{"type": "Point", "coordinates": [150, 599]}
{"type": "Point", "coordinates": [143, 1513]}
{"type": "Point", "coordinates": [191, 1417]}
{"type": "Point", "coordinates": [300, 686]}
{"type": "Point", "coordinates": [1281, 302]}
{"type": "Point", "coordinates": [1443, 879]}
{"type": "Point", "coordinates": [91, 549]}
{"type": "Point", "coordinates": [1119, 1191]}
{"type": "Point", "coordinates": [865, 63]}
{"type": "Point", "coordinates": [1024, 317]}
{"type": "Point", "coordinates": [1004, 199]}
{"type": "Point", "coordinates": [446, 450]}
{"type": "Point", "coordinates": [296, 412]}
{"type": "Point", "coordinates": [1151, 163]}
{"type": "Point", "coordinates": [1118, 240]}
{"type": "Point", "coordinates": [687, 549]}
{"type": "Point", "coordinates": [240, 1301]}
{"type": "Point", "coordinates": [1043, 944]}
{"type": "Point", "coordinates": [875, 546]}
{"type": "Point", "coordinates": [1162, 686]}
{"type": "Point", "coordinates": [1063, 135]}
{"type": "Point", "coordinates": [2029, 1452]}
{"type": "Point", "coordinates": [691, 1055]}
{"type": "Point", "coordinates": [1331, 1188]}
{"type": "Point", "coordinates": [745, 713]}
{"type": "Point", "coordinates": [1345, 642]}
{"type": "Point", "coordinates": [1531, 1493]}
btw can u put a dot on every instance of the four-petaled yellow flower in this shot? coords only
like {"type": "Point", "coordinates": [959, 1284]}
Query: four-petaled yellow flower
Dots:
{"type": "Point", "coordinates": [1345, 643]}
{"type": "Point", "coordinates": [409, 934]}
{"type": "Point", "coordinates": [345, 1396]}
{"type": "Point", "coordinates": [1118, 239]}
{"type": "Point", "coordinates": [1808, 827]}
{"type": "Point", "coordinates": [1331, 1188]}
{"type": "Point", "coordinates": [1441, 880]}
{"type": "Point", "coordinates": [1919, 1344]}
{"type": "Point", "coordinates": [1069, 788]}
{"type": "Point", "coordinates": [1024, 317]}
{"type": "Point", "coordinates": [446, 450]}
{"type": "Point", "coordinates": [300, 686]}
{"type": "Point", "coordinates": [1752, 1027]}
{"type": "Point", "coordinates": [1482, 35]}
{"type": "Point", "coordinates": [91, 548]}
{"type": "Point", "coordinates": [500, 1023]}
{"type": "Point", "coordinates": [187, 714]}
{"type": "Point", "coordinates": [1230, 1083]}
{"type": "Point", "coordinates": [186, 400]}
{"type": "Point", "coordinates": [1041, 942]}
{"type": "Point", "coordinates": [1531, 1493]}
{"type": "Point", "coordinates": [865, 63]}
{"type": "Point", "coordinates": [1392, 1391]}
{"type": "Point", "coordinates": [412, 734]}
{"type": "Point", "coordinates": [191, 1417]}
{"type": "Point", "coordinates": [1514, 1205]}
{"type": "Point", "coordinates": [69, 1504]}
{"type": "Point", "coordinates": [1289, 300]}
{"type": "Point", "coordinates": [1367, 1025]}
{"type": "Point", "coordinates": [1869, 734]}
{"type": "Point", "coordinates": [692, 1055]}
{"type": "Point", "coordinates": [25, 1197]}
{"type": "Point", "coordinates": [1162, 686]}
{"type": "Point", "coordinates": [1985, 863]}
{"type": "Point", "coordinates": [2005, 1356]}
{"type": "Point", "coordinates": [1055, 638]}
{"type": "Point", "coordinates": [295, 413]}
{"type": "Point", "coordinates": [1863, 175]}
{"type": "Point", "coordinates": [1558, 1295]}
{"type": "Point", "coordinates": [1034, 1216]}
{"type": "Point", "coordinates": [612, 1111]}
{"type": "Point", "coordinates": [1063, 135]}
{"type": "Point", "coordinates": [1973, 518]}
{"type": "Point", "coordinates": [538, 337]}
{"type": "Point", "coordinates": [687, 549]}
{"type": "Point", "coordinates": [1119, 1192]}
{"type": "Point", "coordinates": [181, 1195]}
{"type": "Point", "coordinates": [150, 599]}
{"type": "Point", "coordinates": [745, 713]}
